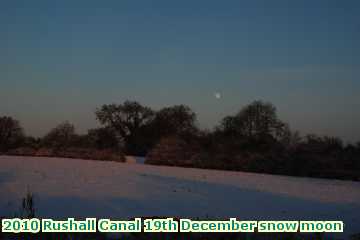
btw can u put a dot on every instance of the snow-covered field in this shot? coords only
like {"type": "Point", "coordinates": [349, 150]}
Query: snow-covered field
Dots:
{"type": "Point", "coordinates": [81, 188]}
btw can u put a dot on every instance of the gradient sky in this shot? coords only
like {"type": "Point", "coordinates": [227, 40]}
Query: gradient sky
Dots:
{"type": "Point", "coordinates": [60, 60]}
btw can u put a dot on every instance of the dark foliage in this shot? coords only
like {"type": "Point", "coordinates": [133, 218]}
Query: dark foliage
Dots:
{"type": "Point", "coordinates": [139, 128]}
{"type": "Point", "coordinates": [175, 120]}
{"type": "Point", "coordinates": [256, 140]}
{"type": "Point", "coordinates": [60, 137]}
{"type": "Point", "coordinates": [253, 140]}
{"type": "Point", "coordinates": [102, 138]}
{"type": "Point", "coordinates": [129, 120]}
{"type": "Point", "coordinates": [257, 121]}
{"type": "Point", "coordinates": [11, 133]}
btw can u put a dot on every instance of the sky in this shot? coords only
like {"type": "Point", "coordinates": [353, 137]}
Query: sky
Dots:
{"type": "Point", "coordinates": [61, 60]}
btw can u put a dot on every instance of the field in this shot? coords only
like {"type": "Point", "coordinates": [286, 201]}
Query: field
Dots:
{"type": "Point", "coordinates": [83, 188]}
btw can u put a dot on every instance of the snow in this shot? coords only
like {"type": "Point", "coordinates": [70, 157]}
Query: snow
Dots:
{"type": "Point", "coordinates": [83, 188]}
{"type": "Point", "coordinates": [135, 159]}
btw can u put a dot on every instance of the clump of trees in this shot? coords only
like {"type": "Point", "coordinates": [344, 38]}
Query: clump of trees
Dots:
{"type": "Point", "coordinates": [257, 121]}
{"type": "Point", "coordinates": [139, 127]}
{"type": "Point", "coordinates": [61, 137]}
{"type": "Point", "coordinates": [63, 141]}
{"type": "Point", "coordinates": [254, 139]}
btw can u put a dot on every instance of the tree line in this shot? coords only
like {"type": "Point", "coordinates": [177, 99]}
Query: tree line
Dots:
{"type": "Point", "coordinates": [254, 139]}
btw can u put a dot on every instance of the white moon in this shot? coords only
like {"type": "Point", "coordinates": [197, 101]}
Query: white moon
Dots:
{"type": "Point", "coordinates": [217, 95]}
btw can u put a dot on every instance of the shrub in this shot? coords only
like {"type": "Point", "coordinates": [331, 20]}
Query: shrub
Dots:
{"type": "Point", "coordinates": [172, 151]}
{"type": "Point", "coordinates": [22, 151]}
{"type": "Point", "coordinates": [92, 154]}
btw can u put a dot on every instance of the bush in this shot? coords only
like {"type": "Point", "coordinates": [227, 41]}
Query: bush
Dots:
{"type": "Point", "coordinates": [79, 153]}
{"type": "Point", "coordinates": [22, 151]}
{"type": "Point", "coordinates": [92, 154]}
{"type": "Point", "coordinates": [172, 151]}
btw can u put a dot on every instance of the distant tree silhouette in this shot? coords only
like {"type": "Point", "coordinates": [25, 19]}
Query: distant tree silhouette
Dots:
{"type": "Point", "coordinates": [11, 133]}
{"type": "Point", "coordinates": [257, 120]}
{"type": "Point", "coordinates": [254, 140]}
{"type": "Point", "coordinates": [289, 139]}
{"type": "Point", "coordinates": [62, 136]}
{"type": "Point", "coordinates": [175, 120]}
{"type": "Point", "coordinates": [128, 120]}
{"type": "Point", "coordinates": [324, 144]}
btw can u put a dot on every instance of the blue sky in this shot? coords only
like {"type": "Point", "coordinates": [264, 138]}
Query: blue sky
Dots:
{"type": "Point", "coordinates": [61, 60]}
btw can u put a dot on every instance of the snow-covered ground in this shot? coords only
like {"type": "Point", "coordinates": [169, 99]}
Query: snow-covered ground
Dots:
{"type": "Point", "coordinates": [81, 188]}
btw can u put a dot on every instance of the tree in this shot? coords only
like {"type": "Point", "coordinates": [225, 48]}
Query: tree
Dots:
{"type": "Point", "coordinates": [62, 136]}
{"type": "Point", "coordinates": [128, 120]}
{"type": "Point", "coordinates": [11, 133]}
{"type": "Point", "coordinates": [257, 120]}
{"type": "Point", "coordinates": [175, 120]}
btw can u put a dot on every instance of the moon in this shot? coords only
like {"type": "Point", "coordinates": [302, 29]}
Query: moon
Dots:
{"type": "Point", "coordinates": [217, 95]}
